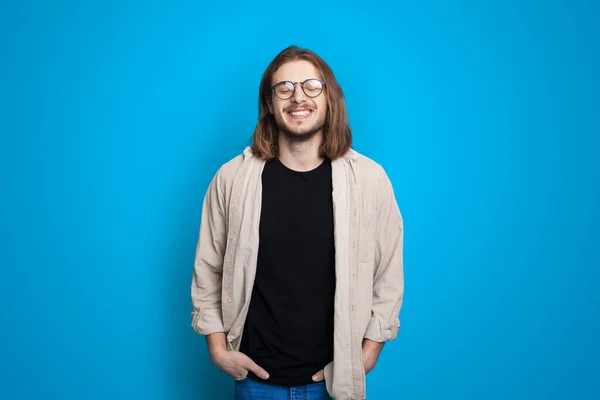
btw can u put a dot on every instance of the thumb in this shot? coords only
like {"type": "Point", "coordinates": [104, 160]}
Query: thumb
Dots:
{"type": "Point", "coordinates": [319, 376]}
{"type": "Point", "coordinates": [256, 370]}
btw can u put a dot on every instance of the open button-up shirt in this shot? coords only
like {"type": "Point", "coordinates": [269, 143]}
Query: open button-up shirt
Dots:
{"type": "Point", "coordinates": [368, 230]}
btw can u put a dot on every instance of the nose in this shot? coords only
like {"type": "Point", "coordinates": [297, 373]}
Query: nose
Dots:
{"type": "Point", "coordinates": [298, 95]}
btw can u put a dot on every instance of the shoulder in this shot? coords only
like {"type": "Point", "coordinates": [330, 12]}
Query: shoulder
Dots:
{"type": "Point", "coordinates": [375, 182]}
{"type": "Point", "coordinates": [372, 177]}
{"type": "Point", "coordinates": [228, 171]}
{"type": "Point", "coordinates": [230, 167]}
{"type": "Point", "coordinates": [367, 168]}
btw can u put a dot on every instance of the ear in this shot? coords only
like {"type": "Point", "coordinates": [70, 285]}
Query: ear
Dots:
{"type": "Point", "coordinates": [270, 105]}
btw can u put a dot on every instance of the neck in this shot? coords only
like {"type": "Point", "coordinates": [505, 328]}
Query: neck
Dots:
{"type": "Point", "coordinates": [300, 156]}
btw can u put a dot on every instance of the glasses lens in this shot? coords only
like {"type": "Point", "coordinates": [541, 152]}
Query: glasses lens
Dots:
{"type": "Point", "coordinates": [313, 87]}
{"type": "Point", "coordinates": [284, 90]}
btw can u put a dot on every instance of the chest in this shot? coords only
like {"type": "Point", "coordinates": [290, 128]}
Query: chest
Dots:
{"type": "Point", "coordinates": [297, 205]}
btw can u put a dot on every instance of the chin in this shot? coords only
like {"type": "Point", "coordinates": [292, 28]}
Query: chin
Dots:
{"type": "Point", "coordinates": [299, 136]}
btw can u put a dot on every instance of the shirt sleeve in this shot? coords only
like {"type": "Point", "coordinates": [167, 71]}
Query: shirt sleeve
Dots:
{"type": "Point", "coordinates": [206, 285]}
{"type": "Point", "coordinates": [388, 280]}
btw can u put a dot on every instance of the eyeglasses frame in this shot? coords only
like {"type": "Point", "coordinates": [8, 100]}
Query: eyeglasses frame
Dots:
{"type": "Point", "coordinates": [272, 88]}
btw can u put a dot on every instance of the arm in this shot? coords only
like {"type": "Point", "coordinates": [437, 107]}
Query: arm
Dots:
{"type": "Point", "coordinates": [388, 279]}
{"type": "Point", "coordinates": [207, 317]}
{"type": "Point", "coordinates": [208, 264]}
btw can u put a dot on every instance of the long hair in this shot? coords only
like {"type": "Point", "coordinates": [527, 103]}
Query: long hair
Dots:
{"type": "Point", "coordinates": [337, 135]}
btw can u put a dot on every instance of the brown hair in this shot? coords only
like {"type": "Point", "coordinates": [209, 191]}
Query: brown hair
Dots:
{"type": "Point", "coordinates": [337, 135]}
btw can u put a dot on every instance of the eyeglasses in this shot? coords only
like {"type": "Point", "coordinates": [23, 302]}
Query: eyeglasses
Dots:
{"type": "Point", "coordinates": [286, 89]}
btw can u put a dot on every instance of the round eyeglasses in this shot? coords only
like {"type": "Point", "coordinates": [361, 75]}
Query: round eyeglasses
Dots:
{"type": "Point", "coordinates": [286, 89]}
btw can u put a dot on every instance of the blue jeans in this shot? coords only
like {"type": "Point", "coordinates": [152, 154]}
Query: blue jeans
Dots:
{"type": "Point", "coordinates": [248, 389]}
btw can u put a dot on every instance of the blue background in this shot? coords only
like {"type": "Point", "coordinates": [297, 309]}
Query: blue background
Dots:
{"type": "Point", "coordinates": [114, 116]}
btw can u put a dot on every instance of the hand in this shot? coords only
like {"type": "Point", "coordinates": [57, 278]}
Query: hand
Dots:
{"type": "Point", "coordinates": [237, 365]}
{"type": "Point", "coordinates": [319, 376]}
{"type": "Point", "coordinates": [233, 363]}
{"type": "Point", "coordinates": [370, 355]}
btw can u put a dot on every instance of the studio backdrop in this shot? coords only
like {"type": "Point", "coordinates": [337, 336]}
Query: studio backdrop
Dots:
{"type": "Point", "coordinates": [115, 115]}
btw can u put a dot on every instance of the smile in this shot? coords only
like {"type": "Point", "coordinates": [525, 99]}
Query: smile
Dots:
{"type": "Point", "coordinates": [300, 114]}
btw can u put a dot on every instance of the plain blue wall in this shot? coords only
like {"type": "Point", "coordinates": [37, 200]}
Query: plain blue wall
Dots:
{"type": "Point", "coordinates": [115, 115]}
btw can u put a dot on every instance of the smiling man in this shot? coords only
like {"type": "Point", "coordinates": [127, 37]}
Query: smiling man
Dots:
{"type": "Point", "coordinates": [298, 278]}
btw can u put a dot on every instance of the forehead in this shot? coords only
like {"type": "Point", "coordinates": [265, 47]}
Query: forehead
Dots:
{"type": "Point", "coordinates": [296, 71]}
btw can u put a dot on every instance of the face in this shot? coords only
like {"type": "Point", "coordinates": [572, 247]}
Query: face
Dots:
{"type": "Point", "coordinates": [300, 117]}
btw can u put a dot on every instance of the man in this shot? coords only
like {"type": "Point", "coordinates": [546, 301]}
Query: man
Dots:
{"type": "Point", "coordinates": [298, 277]}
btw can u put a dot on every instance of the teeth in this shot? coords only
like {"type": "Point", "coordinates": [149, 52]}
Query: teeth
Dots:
{"type": "Point", "coordinates": [300, 113]}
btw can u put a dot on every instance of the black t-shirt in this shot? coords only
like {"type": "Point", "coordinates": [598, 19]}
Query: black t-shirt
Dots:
{"type": "Point", "coordinates": [289, 328]}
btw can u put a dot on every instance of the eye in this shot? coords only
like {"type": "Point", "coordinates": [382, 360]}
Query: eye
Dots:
{"type": "Point", "coordinates": [313, 87]}
{"type": "Point", "coordinates": [284, 88]}
{"type": "Point", "coordinates": [313, 84]}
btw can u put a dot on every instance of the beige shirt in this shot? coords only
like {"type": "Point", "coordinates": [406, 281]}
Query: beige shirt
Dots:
{"type": "Point", "coordinates": [368, 237]}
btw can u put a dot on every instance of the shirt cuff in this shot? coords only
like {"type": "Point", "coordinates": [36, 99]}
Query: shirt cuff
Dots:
{"type": "Point", "coordinates": [380, 330]}
{"type": "Point", "coordinates": [207, 322]}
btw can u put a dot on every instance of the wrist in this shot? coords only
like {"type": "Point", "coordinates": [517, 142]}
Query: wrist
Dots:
{"type": "Point", "coordinates": [216, 345]}
{"type": "Point", "coordinates": [216, 351]}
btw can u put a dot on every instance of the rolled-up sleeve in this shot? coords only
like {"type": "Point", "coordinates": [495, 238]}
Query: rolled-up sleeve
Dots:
{"type": "Point", "coordinates": [207, 315]}
{"type": "Point", "coordinates": [388, 279]}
